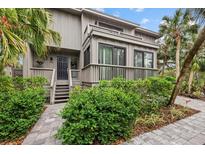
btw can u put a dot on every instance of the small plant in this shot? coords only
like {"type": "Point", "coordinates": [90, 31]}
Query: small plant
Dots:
{"type": "Point", "coordinates": [150, 120]}
{"type": "Point", "coordinates": [177, 113]}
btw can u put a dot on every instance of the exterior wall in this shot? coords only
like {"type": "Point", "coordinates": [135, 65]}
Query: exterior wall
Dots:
{"type": "Point", "coordinates": [27, 62]}
{"type": "Point", "coordinates": [8, 71]}
{"type": "Point", "coordinates": [129, 50]}
{"type": "Point", "coordinates": [90, 19]}
{"type": "Point", "coordinates": [69, 27]}
{"type": "Point", "coordinates": [72, 27]}
{"type": "Point", "coordinates": [145, 37]}
{"type": "Point", "coordinates": [48, 63]}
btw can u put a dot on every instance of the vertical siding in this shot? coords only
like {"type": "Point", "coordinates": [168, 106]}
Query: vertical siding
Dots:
{"type": "Point", "coordinates": [27, 62]}
{"type": "Point", "coordinates": [69, 27]}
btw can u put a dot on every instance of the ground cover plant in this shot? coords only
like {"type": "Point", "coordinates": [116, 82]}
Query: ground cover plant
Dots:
{"type": "Point", "coordinates": [112, 112]}
{"type": "Point", "coordinates": [21, 103]}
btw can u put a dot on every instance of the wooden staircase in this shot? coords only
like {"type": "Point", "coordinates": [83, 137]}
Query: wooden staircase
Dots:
{"type": "Point", "coordinates": [61, 93]}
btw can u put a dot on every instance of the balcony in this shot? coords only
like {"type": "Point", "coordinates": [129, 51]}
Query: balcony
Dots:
{"type": "Point", "coordinates": [93, 73]}
{"type": "Point", "coordinates": [114, 34]}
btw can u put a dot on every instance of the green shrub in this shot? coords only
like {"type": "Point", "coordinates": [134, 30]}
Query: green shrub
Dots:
{"type": "Point", "coordinates": [154, 92]}
{"type": "Point", "coordinates": [21, 103]}
{"type": "Point", "coordinates": [107, 112]}
{"type": "Point", "coordinates": [197, 87]}
{"type": "Point", "coordinates": [98, 115]}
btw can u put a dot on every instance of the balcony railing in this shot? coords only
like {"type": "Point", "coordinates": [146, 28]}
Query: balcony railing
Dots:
{"type": "Point", "coordinates": [95, 72]}
{"type": "Point", "coordinates": [102, 30]}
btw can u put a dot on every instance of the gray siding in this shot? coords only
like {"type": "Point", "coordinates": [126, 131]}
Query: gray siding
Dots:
{"type": "Point", "coordinates": [69, 27]}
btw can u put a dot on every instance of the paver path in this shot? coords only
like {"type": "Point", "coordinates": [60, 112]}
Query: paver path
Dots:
{"type": "Point", "coordinates": [190, 130]}
{"type": "Point", "coordinates": [44, 130]}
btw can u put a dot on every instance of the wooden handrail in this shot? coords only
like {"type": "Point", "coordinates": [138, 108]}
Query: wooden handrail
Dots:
{"type": "Point", "coordinates": [53, 78]}
{"type": "Point", "coordinates": [75, 70]}
{"type": "Point", "coordinates": [120, 66]}
{"type": "Point", "coordinates": [37, 68]}
{"type": "Point", "coordinates": [70, 78]}
{"type": "Point", "coordinates": [129, 35]}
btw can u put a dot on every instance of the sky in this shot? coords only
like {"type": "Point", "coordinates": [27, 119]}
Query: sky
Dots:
{"type": "Point", "coordinates": [147, 18]}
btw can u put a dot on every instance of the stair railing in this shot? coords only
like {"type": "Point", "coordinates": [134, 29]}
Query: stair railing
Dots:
{"type": "Point", "coordinates": [53, 87]}
{"type": "Point", "coordinates": [70, 78]}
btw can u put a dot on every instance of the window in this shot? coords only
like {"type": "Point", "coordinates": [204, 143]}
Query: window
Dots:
{"type": "Point", "coordinates": [87, 56]}
{"type": "Point", "coordinates": [143, 59]}
{"type": "Point", "coordinates": [74, 62]}
{"type": "Point", "coordinates": [102, 24]}
{"type": "Point", "coordinates": [148, 60]}
{"type": "Point", "coordinates": [112, 55]}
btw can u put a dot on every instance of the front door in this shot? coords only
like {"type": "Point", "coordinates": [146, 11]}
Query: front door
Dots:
{"type": "Point", "coordinates": [62, 66]}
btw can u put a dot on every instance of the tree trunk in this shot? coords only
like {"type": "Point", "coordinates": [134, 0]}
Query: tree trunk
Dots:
{"type": "Point", "coordinates": [191, 76]}
{"type": "Point", "coordinates": [193, 51]}
{"type": "Point", "coordinates": [178, 40]}
{"type": "Point", "coordinates": [164, 63]}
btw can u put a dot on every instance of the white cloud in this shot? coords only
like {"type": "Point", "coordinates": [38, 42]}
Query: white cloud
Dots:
{"type": "Point", "coordinates": [137, 9]}
{"type": "Point", "coordinates": [100, 9]}
{"type": "Point", "coordinates": [116, 14]}
{"type": "Point", "coordinates": [144, 21]}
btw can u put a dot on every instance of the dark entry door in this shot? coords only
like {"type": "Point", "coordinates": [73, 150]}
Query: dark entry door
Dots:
{"type": "Point", "coordinates": [62, 66]}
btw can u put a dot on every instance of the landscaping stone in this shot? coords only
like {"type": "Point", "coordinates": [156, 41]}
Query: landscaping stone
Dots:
{"type": "Point", "coordinates": [45, 129]}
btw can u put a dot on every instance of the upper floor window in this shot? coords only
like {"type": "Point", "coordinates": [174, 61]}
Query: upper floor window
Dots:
{"type": "Point", "coordinates": [143, 59]}
{"type": "Point", "coordinates": [112, 55]}
{"type": "Point", "coordinates": [87, 56]}
{"type": "Point", "coordinates": [102, 24]}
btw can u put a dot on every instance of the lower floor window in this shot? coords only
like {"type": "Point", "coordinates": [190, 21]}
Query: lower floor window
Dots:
{"type": "Point", "coordinates": [112, 55]}
{"type": "Point", "coordinates": [87, 56]}
{"type": "Point", "coordinates": [143, 59]}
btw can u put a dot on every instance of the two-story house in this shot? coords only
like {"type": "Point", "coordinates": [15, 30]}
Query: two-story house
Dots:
{"type": "Point", "coordinates": [95, 46]}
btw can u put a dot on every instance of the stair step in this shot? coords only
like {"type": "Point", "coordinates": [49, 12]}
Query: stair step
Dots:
{"type": "Point", "coordinates": [62, 87]}
{"type": "Point", "coordinates": [61, 100]}
{"type": "Point", "coordinates": [62, 93]}
{"type": "Point", "coordinates": [62, 90]}
{"type": "Point", "coordinates": [62, 96]}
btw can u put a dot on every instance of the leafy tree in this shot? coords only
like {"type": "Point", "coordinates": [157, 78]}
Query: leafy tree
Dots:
{"type": "Point", "coordinates": [21, 26]}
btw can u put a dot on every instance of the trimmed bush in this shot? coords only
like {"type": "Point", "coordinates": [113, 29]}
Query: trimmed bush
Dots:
{"type": "Point", "coordinates": [98, 116]}
{"type": "Point", "coordinates": [21, 103]}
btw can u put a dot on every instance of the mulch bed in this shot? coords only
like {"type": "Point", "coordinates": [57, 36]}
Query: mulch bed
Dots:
{"type": "Point", "coordinates": [167, 117]}
{"type": "Point", "coordinates": [20, 140]}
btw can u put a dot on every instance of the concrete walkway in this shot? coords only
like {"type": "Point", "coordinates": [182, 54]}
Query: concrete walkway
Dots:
{"type": "Point", "coordinates": [44, 130]}
{"type": "Point", "coordinates": [190, 130]}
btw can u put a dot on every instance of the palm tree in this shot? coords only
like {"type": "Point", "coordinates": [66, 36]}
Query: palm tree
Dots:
{"type": "Point", "coordinates": [21, 26]}
{"type": "Point", "coordinates": [165, 44]}
{"type": "Point", "coordinates": [199, 15]}
{"type": "Point", "coordinates": [194, 68]}
{"type": "Point", "coordinates": [177, 28]}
